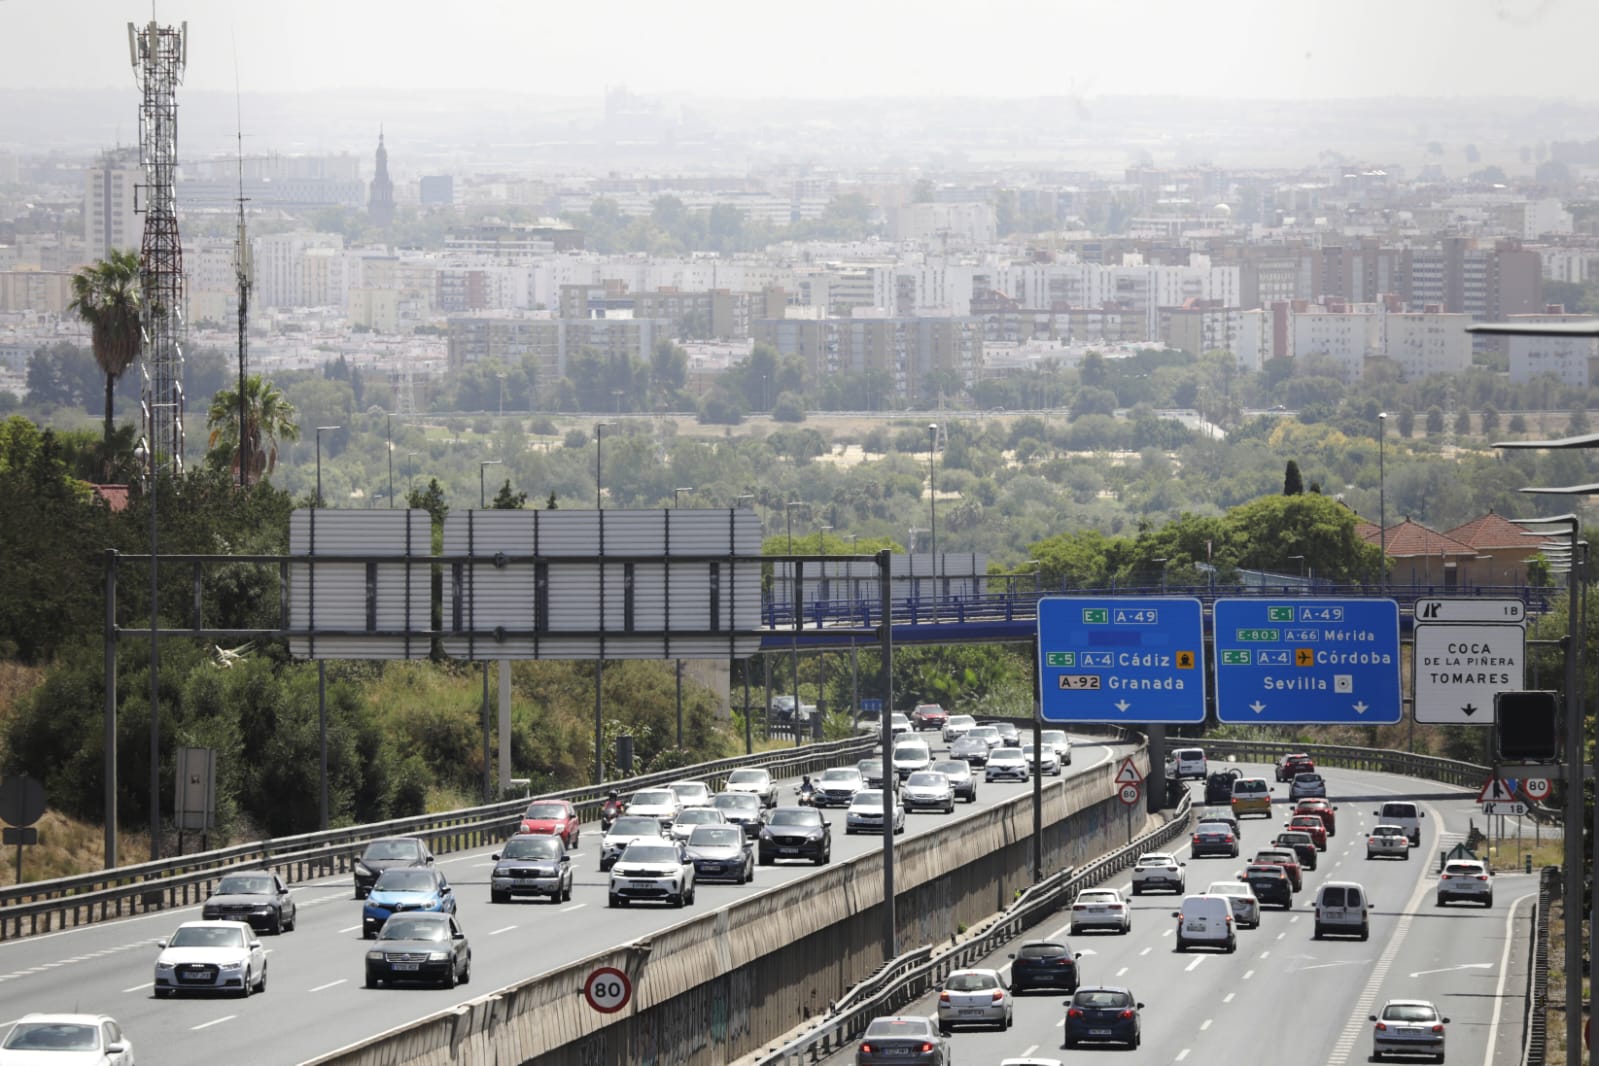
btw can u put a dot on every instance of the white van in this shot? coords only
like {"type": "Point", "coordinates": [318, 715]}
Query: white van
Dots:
{"type": "Point", "coordinates": [1342, 907]}
{"type": "Point", "coordinates": [1405, 815]}
{"type": "Point", "coordinates": [911, 756]}
{"type": "Point", "coordinates": [1188, 762]}
{"type": "Point", "coordinates": [1206, 921]}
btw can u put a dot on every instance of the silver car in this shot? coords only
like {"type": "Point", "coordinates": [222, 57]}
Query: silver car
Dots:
{"type": "Point", "coordinates": [1408, 1027]}
{"type": "Point", "coordinates": [754, 780]}
{"type": "Point", "coordinates": [1043, 760]}
{"type": "Point", "coordinates": [688, 820]}
{"type": "Point", "coordinates": [662, 804]}
{"type": "Point", "coordinates": [837, 786]}
{"type": "Point", "coordinates": [1246, 908]}
{"type": "Point", "coordinates": [988, 734]}
{"type": "Point", "coordinates": [211, 957]}
{"type": "Point", "coordinates": [1057, 739]}
{"type": "Point", "coordinates": [973, 750]}
{"type": "Point", "coordinates": [1387, 840]}
{"type": "Point", "coordinates": [974, 997]}
{"type": "Point", "coordinates": [531, 865]}
{"type": "Point", "coordinates": [691, 793]}
{"type": "Point", "coordinates": [957, 726]}
{"type": "Point", "coordinates": [743, 810]}
{"type": "Point", "coordinates": [865, 813]}
{"type": "Point", "coordinates": [1006, 764]}
{"type": "Point", "coordinates": [624, 831]}
{"type": "Point", "coordinates": [961, 779]}
{"type": "Point", "coordinates": [721, 853]}
{"type": "Point", "coordinates": [928, 790]}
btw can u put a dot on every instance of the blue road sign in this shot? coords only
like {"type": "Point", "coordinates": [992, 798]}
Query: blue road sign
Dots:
{"type": "Point", "coordinates": [1136, 659]}
{"type": "Point", "coordinates": [1307, 661]}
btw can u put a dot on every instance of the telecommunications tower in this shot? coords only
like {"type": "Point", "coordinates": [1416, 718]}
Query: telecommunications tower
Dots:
{"type": "Point", "coordinates": [159, 54]}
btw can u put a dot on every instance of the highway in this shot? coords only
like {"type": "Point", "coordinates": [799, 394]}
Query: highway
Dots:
{"type": "Point", "coordinates": [316, 1000]}
{"type": "Point", "coordinates": [1284, 997]}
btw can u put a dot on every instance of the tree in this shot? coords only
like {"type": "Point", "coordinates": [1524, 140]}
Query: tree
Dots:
{"type": "Point", "coordinates": [269, 417]}
{"type": "Point", "coordinates": [1463, 422]}
{"type": "Point", "coordinates": [506, 500]}
{"type": "Point", "coordinates": [1490, 419]}
{"type": "Point", "coordinates": [1435, 420]}
{"type": "Point", "coordinates": [1293, 484]}
{"type": "Point", "coordinates": [107, 296]}
{"type": "Point", "coordinates": [1407, 422]}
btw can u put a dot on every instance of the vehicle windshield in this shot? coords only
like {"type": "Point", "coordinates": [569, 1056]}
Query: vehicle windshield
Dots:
{"type": "Point", "coordinates": [1101, 998]}
{"type": "Point", "coordinates": [1007, 755]}
{"type": "Point", "coordinates": [796, 817]}
{"type": "Point", "coordinates": [736, 801]}
{"type": "Point", "coordinates": [872, 797]}
{"type": "Point", "coordinates": [53, 1036]}
{"type": "Point", "coordinates": [207, 936]}
{"type": "Point", "coordinates": [1227, 888]}
{"type": "Point", "coordinates": [898, 718]}
{"type": "Point", "coordinates": [405, 880]}
{"type": "Point", "coordinates": [1409, 1012]}
{"type": "Point", "coordinates": [748, 777]}
{"type": "Point", "coordinates": [245, 885]}
{"type": "Point", "coordinates": [1307, 779]}
{"type": "Point", "coordinates": [1388, 831]}
{"type": "Point", "coordinates": [1098, 896]}
{"type": "Point", "coordinates": [713, 836]}
{"type": "Point", "coordinates": [951, 767]}
{"type": "Point", "coordinates": [546, 811]}
{"type": "Point", "coordinates": [1154, 860]}
{"type": "Point", "coordinates": [1040, 951]}
{"type": "Point", "coordinates": [926, 779]}
{"type": "Point", "coordinates": [971, 982]}
{"type": "Point", "coordinates": [871, 766]}
{"type": "Point", "coordinates": [398, 928]}
{"type": "Point", "coordinates": [1053, 736]}
{"type": "Point", "coordinates": [635, 827]}
{"type": "Point", "coordinates": [917, 1028]}
{"type": "Point", "coordinates": [688, 788]}
{"type": "Point", "coordinates": [841, 775]}
{"type": "Point", "coordinates": [1468, 868]}
{"type": "Point", "coordinates": [911, 751]}
{"type": "Point", "coordinates": [662, 798]}
{"type": "Point", "coordinates": [983, 731]}
{"type": "Point", "coordinates": [532, 848]}
{"type": "Point", "coordinates": [393, 849]}
{"type": "Point", "coordinates": [1213, 827]}
{"type": "Point", "coordinates": [962, 719]}
{"type": "Point", "coordinates": [699, 816]}
{"type": "Point", "coordinates": [650, 853]}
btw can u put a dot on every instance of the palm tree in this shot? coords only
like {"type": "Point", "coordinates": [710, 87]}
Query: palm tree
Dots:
{"type": "Point", "coordinates": [107, 296]}
{"type": "Point", "coordinates": [269, 418]}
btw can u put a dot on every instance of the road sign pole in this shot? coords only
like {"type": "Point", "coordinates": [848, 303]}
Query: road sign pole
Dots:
{"type": "Point", "coordinates": [1156, 796]}
{"type": "Point", "coordinates": [1038, 777]}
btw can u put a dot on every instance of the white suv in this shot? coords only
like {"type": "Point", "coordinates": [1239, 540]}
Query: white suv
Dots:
{"type": "Point", "coordinates": [652, 871]}
{"type": "Point", "coordinates": [1466, 879]}
{"type": "Point", "coordinates": [1157, 869]}
{"type": "Point", "coordinates": [957, 725]}
{"type": "Point", "coordinates": [1405, 815]}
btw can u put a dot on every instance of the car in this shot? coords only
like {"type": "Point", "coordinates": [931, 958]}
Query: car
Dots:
{"type": "Point", "coordinates": [754, 780]}
{"type": "Point", "coordinates": [1224, 815]}
{"type": "Point", "coordinates": [1404, 814]}
{"type": "Point", "coordinates": [1157, 869]}
{"type": "Point", "coordinates": [1270, 884]}
{"type": "Point", "coordinates": [910, 756]}
{"type": "Point", "coordinates": [386, 852]}
{"type": "Point", "coordinates": [691, 793]}
{"type": "Point", "coordinates": [1246, 907]}
{"type": "Point", "coordinates": [871, 773]}
{"type": "Point", "coordinates": [656, 871]}
{"type": "Point", "coordinates": [1042, 759]}
{"type": "Point", "coordinates": [796, 833]}
{"type": "Point", "coordinates": [662, 804]}
{"type": "Point", "coordinates": [974, 997]}
{"type": "Point", "coordinates": [1387, 840]}
{"type": "Point", "coordinates": [836, 786]}
{"type": "Point", "coordinates": [782, 708]}
{"type": "Point", "coordinates": [1312, 824]}
{"type": "Point", "coordinates": [1188, 762]}
{"type": "Point", "coordinates": [961, 779]}
{"type": "Point", "coordinates": [928, 790]}
{"type": "Point", "coordinates": [1101, 908]}
{"type": "Point", "coordinates": [1341, 907]}
{"type": "Point", "coordinates": [1009, 735]}
{"type": "Point", "coordinates": [420, 948]}
{"type": "Point", "coordinates": [865, 812]}
{"type": "Point", "coordinates": [405, 889]}
{"type": "Point", "coordinates": [928, 716]}
{"type": "Point", "coordinates": [956, 726]}
{"type": "Point", "coordinates": [742, 809]}
{"type": "Point", "coordinates": [531, 865]}
{"type": "Point", "coordinates": [624, 831]}
{"type": "Point", "coordinates": [1204, 920]}
{"type": "Point", "coordinates": [1466, 879]}
{"type": "Point", "coordinates": [66, 1039]}
{"type": "Point", "coordinates": [1288, 859]}
{"type": "Point", "coordinates": [971, 750]}
{"type": "Point", "coordinates": [1006, 764]}
{"type": "Point", "coordinates": [1251, 795]}
{"type": "Point", "coordinates": [1213, 838]}
{"type": "Point", "coordinates": [1323, 809]}
{"type": "Point", "coordinates": [1303, 846]}
{"type": "Point", "coordinates": [896, 1039]}
{"type": "Point", "coordinates": [557, 817]}
{"type": "Point", "coordinates": [1307, 785]}
{"type": "Point", "coordinates": [691, 817]}
{"type": "Point", "coordinates": [1057, 739]}
{"type": "Point", "coordinates": [1296, 762]}
{"type": "Point", "coordinates": [1044, 964]}
{"type": "Point", "coordinates": [721, 853]}
{"type": "Point", "coordinates": [989, 735]}
{"type": "Point", "coordinates": [1103, 1012]}
{"type": "Point", "coordinates": [1219, 785]}
{"type": "Point", "coordinates": [899, 724]}
{"type": "Point", "coordinates": [256, 897]}
{"type": "Point", "coordinates": [1408, 1027]}
{"type": "Point", "coordinates": [214, 957]}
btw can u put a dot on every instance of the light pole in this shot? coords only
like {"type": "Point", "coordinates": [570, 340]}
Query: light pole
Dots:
{"type": "Point", "coordinates": [319, 431]}
{"type": "Point", "coordinates": [1382, 494]}
{"type": "Point", "coordinates": [323, 812]}
{"type": "Point", "coordinates": [389, 451]}
{"type": "Point", "coordinates": [502, 394]}
{"type": "Point", "coordinates": [1162, 563]}
{"type": "Point", "coordinates": [679, 665]}
{"type": "Point", "coordinates": [932, 508]}
{"type": "Point", "coordinates": [148, 448]}
{"type": "Point", "coordinates": [618, 393]}
{"type": "Point", "coordinates": [599, 428]}
{"type": "Point", "coordinates": [788, 518]}
{"type": "Point", "coordinates": [410, 476]}
{"type": "Point", "coordinates": [1301, 559]}
{"type": "Point", "coordinates": [482, 499]}
{"type": "Point", "coordinates": [738, 501]}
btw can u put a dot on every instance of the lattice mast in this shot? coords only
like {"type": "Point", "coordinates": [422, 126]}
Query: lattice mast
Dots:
{"type": "Point", "coordinates": [159, 55]}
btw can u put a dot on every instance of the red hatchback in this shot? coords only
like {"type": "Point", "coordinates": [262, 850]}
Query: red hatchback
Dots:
{"type": "Point", "coordinates": [552, 818]}
{"type": "Point", "coordinates": [1312, 824]}
{"type": "Point", "coordinates": [1295, 763]}
{"type": "Point", "coordinates": [929, 716]}
{"type": "Point", "coordinates": [1322, 809]}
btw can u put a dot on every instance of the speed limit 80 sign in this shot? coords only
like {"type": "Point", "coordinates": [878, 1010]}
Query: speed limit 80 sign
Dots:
{"type": "Point", "coordinates": [607, 990]}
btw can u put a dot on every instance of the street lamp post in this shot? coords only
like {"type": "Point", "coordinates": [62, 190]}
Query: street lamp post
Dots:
{"type": "Point", "coordinates": [410, 475]}
{"type": "Point", "coordinates": [1162, 563]}
{"type": "Point", "coordinates": [1382, 494]}
{"type": "Point", "coordinates": [502, 394]}
{"type": "Point", "coordinates": [319, 431]}
{"type": "Point", "coordinates": [677, 493]}
{"type": "Point", "coordinates": [488, 757]}
{"type": "Point", "coordinates": [599, 436]}
{"type": "Point", "coordinates": [323, 811]}
{"type": "Point", "coordinates": [389, 452]}
{"type": "Point", "coordinates": [932, 508]}
{"type": "Point", "coordinates": [155, 655]}
{"type": "Point", "coordinates": [1301, 559]}
{"type": "Point", "coordinates": [788, 518]}
{"type": "Point", "coordinates": [679, 664]}
{"type": "Point", "coordinates": [482, 499]}
{"type": "Point", "coordinates": [618, 393]}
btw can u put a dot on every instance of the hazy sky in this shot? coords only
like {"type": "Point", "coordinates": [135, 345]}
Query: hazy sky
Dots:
{"type": "Point", "coordinates": [1291, 49]}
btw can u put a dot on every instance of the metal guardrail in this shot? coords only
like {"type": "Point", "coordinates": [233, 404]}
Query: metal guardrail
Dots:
{"type": "Point", "coordinates": [1537, 1002]}
{"type": "Point", "coordinates": [916, 973]}
{"type": "Point", "coordinates": [1432, 768]}
{"type": "Point", "coordinates": [44, 906]}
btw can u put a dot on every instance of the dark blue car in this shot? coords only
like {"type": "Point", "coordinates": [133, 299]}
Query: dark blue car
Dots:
{"type": "Point", "coordinates": [405, 889]}
{"type": "Point", "coordinates": [1103, 1012]}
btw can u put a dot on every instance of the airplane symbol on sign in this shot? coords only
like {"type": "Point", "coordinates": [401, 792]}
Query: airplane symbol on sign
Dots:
{"type": "Point", "coordinates": [1304, 657]}
{"type": "Point", "coordinates": [1185, 660]}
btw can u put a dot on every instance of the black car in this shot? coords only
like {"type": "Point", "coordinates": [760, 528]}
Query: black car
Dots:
{"type": "Point", "coordinates": [385, 853]}
{"type": "Point", "coordinates": [1219, 786]}
{"type": "Point", "coordinates": [974, 750]}
{"type": "Point", "coordinates": [1103, 1012]}
{"type": "Point", "coordinates": [1213, 838]}
{"type": "Point", "coordinates": [1008, 736]}
{"type": "Point", "coordinates": [1270, 884]}
{"type": "Point", "coordinates": [1303, 843]}
{"type": "Point", "coordinates": [1044, 964]}
{"type": "Point", "coordinates": [796, 833]}
{"type": "Point", "coordinates": [421, 947]}
{"type": "Point", "coordinates": [258, 897]}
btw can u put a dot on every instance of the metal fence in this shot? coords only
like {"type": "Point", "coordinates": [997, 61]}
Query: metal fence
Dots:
{"type": "Point", "coordinates": [1537, 1001]}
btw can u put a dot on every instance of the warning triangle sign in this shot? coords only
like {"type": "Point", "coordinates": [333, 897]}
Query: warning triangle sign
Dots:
{"type": "Point", "coordinates": [1497, 790]}
{"type": "Point", "coordinates": [1128, 773]}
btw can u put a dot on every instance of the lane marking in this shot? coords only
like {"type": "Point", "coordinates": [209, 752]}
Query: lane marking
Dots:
{"type": "Point", "coordinates": [503, 929]}
{"type": "Point", "coordinates": [215, 1021]}
{"type": "Point", "coordinates": [1281, 935]}
{"type": "Point", "coordinates": [135, 988]}
{"type": "Point", "coordinates": [1228, 998]}
{"type": "Point", "coordinates": [1248, 974]}
{"type": "Point", "coordinates": [1264, 954]}
{"type": "Point", "coordinates": [1294, 919]}
{"type": "Point", "coordinates": [1204, 1025]}
{"type": "Point", "coordinates": [1121, 971]}
{"type": "Point", "coordinates": [349, 929]}
{"type": "Point", "coordinates": [1191, 967]}
{"type": "Point", "coordinates": [573, 907]}
{"type": "Point", "coordinates": [1504, 974]}
{"type": "Point", "coordinates": [1031, 1048]}
{"type": "Point", "coordinates": [330, 984]}
{"type": "Point", "coordinates": [1181, 1055]}
{"type": "Point", "coordinates": [1146, 951]}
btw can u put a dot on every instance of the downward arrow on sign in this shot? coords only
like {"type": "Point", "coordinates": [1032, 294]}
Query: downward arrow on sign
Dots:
{"type": "Point", "coordinates": [1122, 705]}
{"type": "Point", "coordinates": [1257, 706]}
{"type": "Point", "coordinates": [1468, 710]}
{"type": "Point", "coordinates": [1362, 707]}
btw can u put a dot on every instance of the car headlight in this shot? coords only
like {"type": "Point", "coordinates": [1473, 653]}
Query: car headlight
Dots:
{"type": "Point", "coordinates": [164, 967]}
{"type": "Point", "coordinates": [438, 956]}
{"type": "Point", "coordinates": [374, 956]}
{"type": "Point", "coordinates": [236, 964]}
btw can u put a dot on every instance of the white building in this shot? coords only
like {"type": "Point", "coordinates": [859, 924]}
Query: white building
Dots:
{"type": "Point", "coordinates": [1568, 359]}
{"type": "Point", "coordinates": [110, 220]}
{"type": "Point", "coordinates": [1425, 344]}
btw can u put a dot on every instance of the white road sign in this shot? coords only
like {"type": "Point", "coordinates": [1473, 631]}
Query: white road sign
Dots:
{"type": "Point", "coordinates": [1460, 664]}
{"type": "Point", "coordinates": [1509, 809]}
{"type": "Point", "coordinates": [1470, 609]}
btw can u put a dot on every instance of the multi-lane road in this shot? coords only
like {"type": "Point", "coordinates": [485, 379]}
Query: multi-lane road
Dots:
{"type": "Point", "coordinates": [316, 1001]}
{"type": "Point", "coordinates": [1283, 996]}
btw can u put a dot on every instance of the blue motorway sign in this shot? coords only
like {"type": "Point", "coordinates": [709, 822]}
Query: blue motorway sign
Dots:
{"type": "Point", "coordinates": [1134, 659]}
{"type": "Point", "coordinates": [1307, 661]}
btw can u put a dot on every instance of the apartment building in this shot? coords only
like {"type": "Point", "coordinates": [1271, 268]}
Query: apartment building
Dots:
{"type": "Point", "coordinates": [897, 354]}
{"type": "Point", "coordinates": [1569, 360]}
{"type": "Point", "coordinates": [111, 216]}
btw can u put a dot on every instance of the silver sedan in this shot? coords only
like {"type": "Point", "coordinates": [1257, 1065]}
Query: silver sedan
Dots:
{"type": "Point", "coordinates": [974, 997]}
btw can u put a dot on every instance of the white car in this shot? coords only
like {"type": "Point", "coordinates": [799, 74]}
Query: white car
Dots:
{"type": "Point", "coordinates": [928, 790]}
{"type": "Point", "coordinates": [691, 793]}
{"type": "Point", "coordinates": [865, 813]}
{"type": "Point", "coordinates": [1057, 739]}
{"type": "Point", "coordinates": [957, 726]}
{"type": "Point", "coordinates": [66, 1040]}
{"type": "Point", "coordinates": [1408, 1027]}
{"type": "Point", "coordinates": [211, 957]}
{"type": "Point", "coordinates": [692, 818]}
{"type": "Point", "coordinates": [837, 786]}
{"type": "Point", "coordinates": [1006, 764]}
{"type": "Point", "coordinates": [754, 780]}
{"type": "Point", "coordinates": [652, 871]}
{"type": "Point", "coordinates": [1466, 879]}
{"type": "Point", "coordinates": [662, 804]}
{"type": "Point", "coordinates": [1246, 908]}
{"type": "Point", "coordinates": [1043, 761]}
{"type": "Point", "coordinates": [899, 724]}
{"type": "Point", "coordinates": [911, 756]}
{"type": "Point", "coordinates": [988, 734]}
{"type": "Point", "coordinates": [974, 997]}
{"type": "Point", "coordinates": [1156, 869]}
{"type": "Point", "coordinates": [624, 831]}
{"type": "Point", "coordinates": [1101, 908]}
{"type": "Point", "coordinates": [1387, 840]}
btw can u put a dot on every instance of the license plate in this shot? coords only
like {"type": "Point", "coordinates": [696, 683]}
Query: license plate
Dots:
{"type": "Point", "coordinates": [641, 884]}
{"type": "Point", "coordinates": [970, 1012]}
{"type": "Point", "coordinates": [194, 977]}
{"type": "Point", "coordinates": [1099, 1032]}
{"type": "Point", "coordinates": [524, 882]}
{"type": "Point", "coordinates": [407, 967]}
{"type": "Point", "coordinates": [788, 851]}
{"type": "Point", "coordinates": [1194, 927]}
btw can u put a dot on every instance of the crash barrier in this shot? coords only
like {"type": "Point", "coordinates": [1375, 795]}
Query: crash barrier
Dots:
{"type": "Point", "coordinates": [713, 988]}
{"type": "Point", "coordinates": [1537, 1002]}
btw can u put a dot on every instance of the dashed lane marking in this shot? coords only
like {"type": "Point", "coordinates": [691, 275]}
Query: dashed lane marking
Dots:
{"type": "Point", "coordinates": [330, 984]}
{"type": "Point", "coordinates": [214, 1021]}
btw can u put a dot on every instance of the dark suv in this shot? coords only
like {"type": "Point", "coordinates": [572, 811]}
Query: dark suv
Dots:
{"type": "Point", "coordinates": [1295, 763]}
{"type": "Point", "coordinates": [1044, 964]}
{"type": "Point", "coordinates": [796, 833]}
{"type": "Point", "coordinates": [1270, 884]}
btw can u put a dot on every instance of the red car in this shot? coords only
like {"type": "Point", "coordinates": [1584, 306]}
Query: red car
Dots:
{"type": "Point", "coordinates": [1295, 763]}
{"type": "Point", "coordinates": [1312, 824]}
{"type": "Point", "coordinates": [929, 716]}
{"type": "Point", "coordinates": [552, 818]}
{"type": "Point", "coordinates": [1288, 859]}
{"type": "Point", "coordinates": [1323, 809]}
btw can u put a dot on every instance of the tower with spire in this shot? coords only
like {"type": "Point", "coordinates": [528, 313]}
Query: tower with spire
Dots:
{"type": "Point", "coordinates": [380, 204]}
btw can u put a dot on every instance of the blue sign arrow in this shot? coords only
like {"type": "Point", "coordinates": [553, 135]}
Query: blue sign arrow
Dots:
{"type": "Point", "coordinates": [1136, 659]}
{"type": "Point", "coordinates": [1307, 661]}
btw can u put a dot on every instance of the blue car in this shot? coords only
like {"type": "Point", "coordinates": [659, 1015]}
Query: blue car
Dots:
{"type": "Point", "coordinates": [1103, 1012]}
{"type": "Point", "coordinates": [405, 889]}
